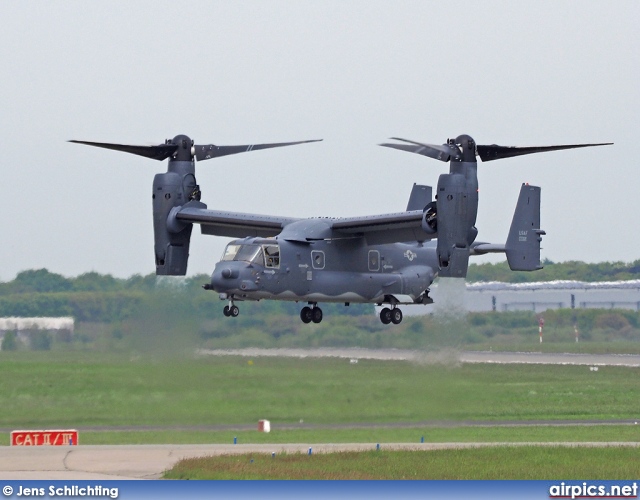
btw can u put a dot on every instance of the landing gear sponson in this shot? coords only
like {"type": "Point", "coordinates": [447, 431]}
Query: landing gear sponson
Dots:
{"type": "Point", "coordinates": [314, 313]}
{"type": "Point", "coordinates": [393, 314]}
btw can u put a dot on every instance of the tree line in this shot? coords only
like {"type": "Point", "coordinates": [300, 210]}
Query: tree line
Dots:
{"type": "Point", "coordinates": [146, 312]}
{"type": "Point", "coordinates": [94, 297]}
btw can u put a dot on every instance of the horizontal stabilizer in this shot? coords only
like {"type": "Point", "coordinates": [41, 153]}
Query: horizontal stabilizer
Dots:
{"type": "Point", "coordinates": [479, 248]}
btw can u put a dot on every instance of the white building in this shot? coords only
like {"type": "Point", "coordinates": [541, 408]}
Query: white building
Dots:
{"type": "Point", "coordinates": [24, 327]}
{"type": "Point", "coordinates": [20, 324]}
{"type": "Point", "coordinates": [451, 295]}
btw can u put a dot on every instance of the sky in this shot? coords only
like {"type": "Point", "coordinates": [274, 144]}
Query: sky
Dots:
{"type": "Point", "coordinates": [352, 73]}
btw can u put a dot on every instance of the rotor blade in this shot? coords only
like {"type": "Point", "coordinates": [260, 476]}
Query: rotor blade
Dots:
{"type": "Point", "coordinates": [159, 152]}
{"type": "Point", "coordinates": [442, 152]}
{"type": "Point", "coordinates": [205, 152]}
{"type": "Point", "coordinates": [495, 152]}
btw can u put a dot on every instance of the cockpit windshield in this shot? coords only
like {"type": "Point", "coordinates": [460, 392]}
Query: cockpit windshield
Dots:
{"type": "Point", "coordinates": [264, 255]}
{"type": "Point", "coordinates": [247, 253]}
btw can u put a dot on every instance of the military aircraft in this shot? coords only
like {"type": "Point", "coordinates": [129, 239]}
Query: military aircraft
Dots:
{"type": "Point", "coordinates": [386, 259]}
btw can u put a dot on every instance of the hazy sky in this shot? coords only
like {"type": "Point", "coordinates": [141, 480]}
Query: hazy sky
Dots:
{"type": "Point", "coordinates": [351, 72]}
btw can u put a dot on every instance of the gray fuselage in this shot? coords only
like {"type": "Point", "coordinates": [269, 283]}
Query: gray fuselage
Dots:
{"type": "Point", "coordinates": [328, 270]}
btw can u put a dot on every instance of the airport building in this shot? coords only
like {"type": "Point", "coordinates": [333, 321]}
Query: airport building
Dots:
{"type": "Point", "coordinates": [25, 328]}
{"type": "Point", "coordinates": [455, 294]}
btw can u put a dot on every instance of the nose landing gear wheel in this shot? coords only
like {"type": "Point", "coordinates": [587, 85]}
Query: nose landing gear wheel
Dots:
{"type": "Point", "coordinates": [232, 311]}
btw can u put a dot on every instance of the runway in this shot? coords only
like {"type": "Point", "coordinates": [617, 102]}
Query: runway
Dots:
{"type": "Point", "coordinates": [94, 462]}
{"type": "Point", "coordinates": [442, 356]}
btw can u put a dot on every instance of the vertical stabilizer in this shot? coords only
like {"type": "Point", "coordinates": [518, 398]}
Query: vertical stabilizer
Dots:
{"type": "Point", "coordinates": [420, 197]}
{"type": "Point", "coordinates": [525, 235]}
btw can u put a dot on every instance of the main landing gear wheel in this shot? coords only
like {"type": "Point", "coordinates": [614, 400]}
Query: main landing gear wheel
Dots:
{"type": "Point", "coordinates": [385, 315]}
{"type": "Point", "coordinates": [308, 314]}
{"type": "Point", "coordinates": [316, 314]}
{"type": "Point", "coordinates": [396, 316]}
{"type": "Point", "coordinates": [232, 311]}
{"type": "Point", "coordinates": [391, 316]}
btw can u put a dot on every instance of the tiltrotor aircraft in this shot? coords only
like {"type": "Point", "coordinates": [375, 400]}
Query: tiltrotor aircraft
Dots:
{"type": "Point", "coordinates": [386, 259]}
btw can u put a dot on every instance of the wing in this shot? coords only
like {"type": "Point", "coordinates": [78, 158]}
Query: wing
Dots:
{"type": "Point", "coordinates": [233, 224]}
{"type": "Point", "coordinates": [376, 229]}
{"type": "Point", "coordinates": [385, 228]}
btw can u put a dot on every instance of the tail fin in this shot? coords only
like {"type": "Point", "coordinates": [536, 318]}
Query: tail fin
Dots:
{"type": "Point", "coordinates": [523, 243]}
{"type": "Point", "coordinates": [420, 197]}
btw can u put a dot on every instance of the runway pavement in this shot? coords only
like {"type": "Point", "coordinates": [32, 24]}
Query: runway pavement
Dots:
{"type": "Point", "coordinates": [442, 356]}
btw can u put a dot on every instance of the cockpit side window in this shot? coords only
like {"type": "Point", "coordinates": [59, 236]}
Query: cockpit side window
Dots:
{"type": "Point", "coordinates": [272, 256]}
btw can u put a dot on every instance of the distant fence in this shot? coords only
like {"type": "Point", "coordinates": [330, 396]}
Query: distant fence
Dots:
{"type": "Point", "coordinates": [532, 306]}
{"type": "Point", "coordinates": [538, 306]}
{"type": "Point", "coordinates": [615, 304]}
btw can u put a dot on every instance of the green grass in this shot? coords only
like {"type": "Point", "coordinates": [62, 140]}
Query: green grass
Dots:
{"type": "Point", "coordinates": [526, 462]}
{"type": "Point", "coordinates": [67, 389]}
{"type": "Point", "coordinates": [75, 389]}
{"type": "Point", "coordinates": [516, 434]}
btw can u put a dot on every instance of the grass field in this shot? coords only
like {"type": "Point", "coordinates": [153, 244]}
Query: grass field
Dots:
{"type": "Point", "coordinates": [526, 462]}
{"type": "Point", "coordinates": [75, 389]}
{"type": "Point", "coordinates": [171, 394]}
{"type": "Point", "coordinates": [430, 434]}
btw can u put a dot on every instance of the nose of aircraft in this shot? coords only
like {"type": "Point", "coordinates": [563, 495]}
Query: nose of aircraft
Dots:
{"type": "Point", "coordinates": [223, 277]}
{"type": "Point", "coordinates": [231, 276]}
{"type": "Point", "coordinates": [228, 273]}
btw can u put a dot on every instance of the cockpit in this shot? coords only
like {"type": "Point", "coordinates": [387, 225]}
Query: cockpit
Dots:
{"type": "Point", "coordinates": [267, 255]}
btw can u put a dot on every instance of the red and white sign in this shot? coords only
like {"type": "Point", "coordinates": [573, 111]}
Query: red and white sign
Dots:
{"type": "Point", "coordinates": [264, 426]}
{"type": "Point", "coordinates": [44, 438]}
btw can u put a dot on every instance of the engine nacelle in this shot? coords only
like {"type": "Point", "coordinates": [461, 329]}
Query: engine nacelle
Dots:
{"type": "Point", "coordinates": [456, 208]}
{"type": "Point", "coordinates": [430, 218]}
{"type": "Point", "coordinates": [172, 190]}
